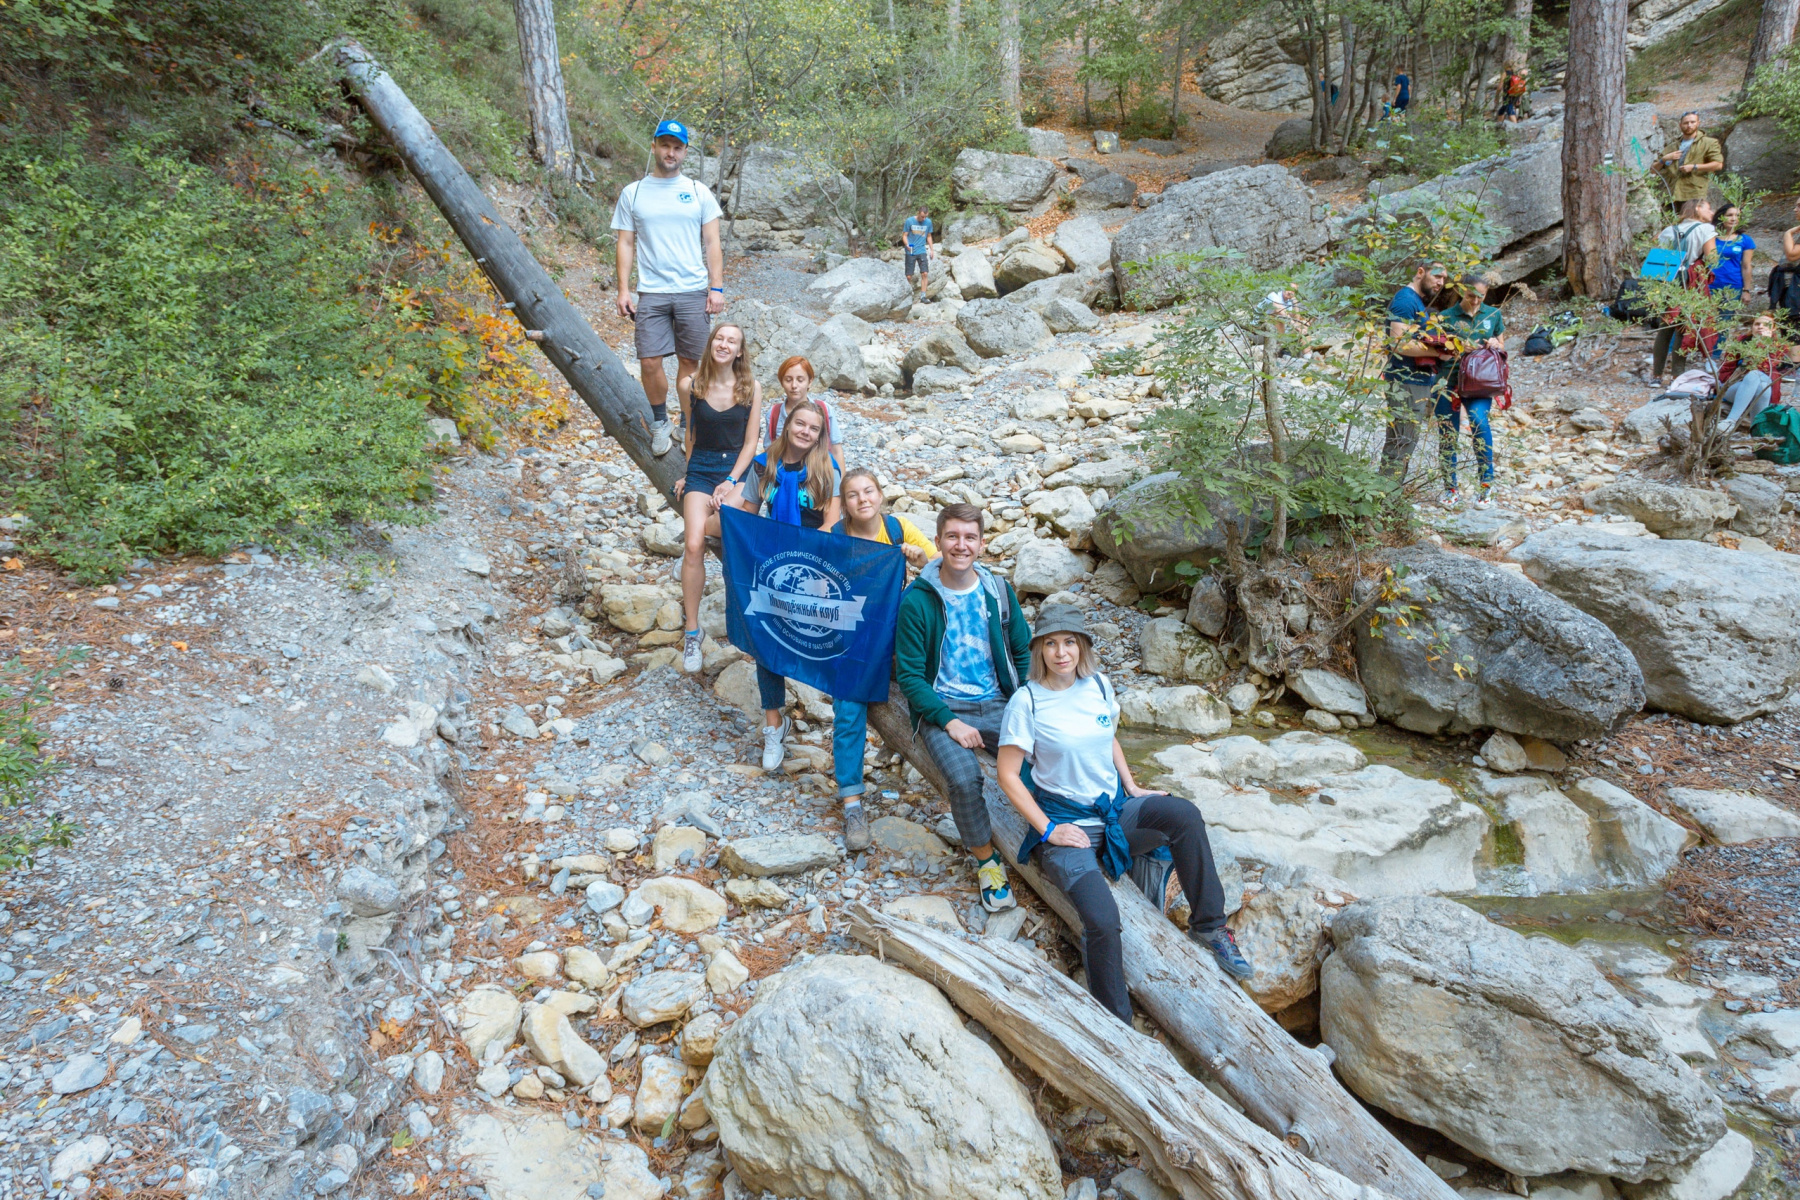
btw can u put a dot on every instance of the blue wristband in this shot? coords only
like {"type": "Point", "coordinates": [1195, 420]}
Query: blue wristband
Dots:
{"type": "Point", "coordinates": [1046, 834]}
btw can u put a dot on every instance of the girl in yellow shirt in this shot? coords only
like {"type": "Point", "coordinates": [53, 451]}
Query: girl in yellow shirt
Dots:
{"type": "Point", "coordinates": [863, 518]}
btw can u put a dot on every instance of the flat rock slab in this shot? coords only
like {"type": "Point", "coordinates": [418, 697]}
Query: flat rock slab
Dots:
{"type": "Point", "coordinates": [540, 1158]}
{"type": "Point", "coordinates": [778, 854]}
{"type": "Point", "coordinates": [906, 837]}
{"type": "Point", "coordinates": [1733, 817]}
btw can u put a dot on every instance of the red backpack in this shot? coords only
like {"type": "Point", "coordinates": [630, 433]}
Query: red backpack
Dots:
{"type": "Point", "coordinates": [1483, 375]}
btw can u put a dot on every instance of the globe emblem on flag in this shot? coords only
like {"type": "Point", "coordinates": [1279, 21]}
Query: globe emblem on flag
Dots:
{"type": "Point", "coordinates": [805, 603]}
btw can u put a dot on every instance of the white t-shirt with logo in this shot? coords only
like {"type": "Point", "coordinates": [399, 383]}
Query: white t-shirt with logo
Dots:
{"type": "Point", "coordinates": [1067, 737]}
{"type": "Point", "coordinates": [666, 215]}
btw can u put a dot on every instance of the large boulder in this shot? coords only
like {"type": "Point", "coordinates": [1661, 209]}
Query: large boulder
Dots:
{"type": "Point", "coordinates": [1103, 192]}
{"type": "Point", "coordinates": [852, 1079]}
{"type": "Point", "coordinates": [1532, 664]}
{"type": "Point", "coordinates": [940, 347]}
{"type": "Point", "coordinates": [788, 189]}
{"type": "Point", "coordinates": [976, 225]}
{"type": "Point", "coordinates": [1047, 143]}
{"type": "Point", "coordinates": [868, 287]}
{"type": "Point", "coordinates": [772, 334]}
{"type": "Point", "coordinates": [1764, 157]}
{"type": "Point", "coordinates": [1043, 568]}
{"type": "Point", "coordinates": [1291, 137]}
{"type": "Point", "coordinates": [1081, 287]}
{"type": "Point", "coordinates": [1646, 423]}
{"type": "Point", "coordinates": [995, 328]}
{"type": "Point", "coordinates": [1668, 511]}
{"type": "Point", "coordinates": [1186, 709]}
{"type": "Point", "coordinates": [1169, 648]}
{"type": "Point", "coordinates": [1712, 629]}
{"type": "Point", "coordinates": [1069, 316]}
{"type": "Point", "coordinates": [1151, 526]}
{"type": "Point", "coordinates": [1012, 181]}
{"type": "Point", "coordinates": [1758, 503]}
{"type": "Point", "coordinates": [1027, 262]}
{"type": "Point", "coordinates": [1083, 243]}
{"type": "Point", "coordinates": [1247, 66]}
{"type": "Point", "coordinates": [1383, 832]}
{"type": "Point", "coordinates": [1285, 929]}
{"type": "Point", "coordinates": [1514, 1048]}
{"type": "Point", "coordinates": [1262, 211]}
{"type": "Point", "coordinates": [1521, 192]}
{"type": "Point", "coordinates": [974, 275]}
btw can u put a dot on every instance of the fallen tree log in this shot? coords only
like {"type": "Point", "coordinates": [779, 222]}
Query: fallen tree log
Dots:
{"type": "Point", "coordinates": [561, 332]}
{"type": "Point", "coordinates": [1196, 1141]}
{"type": "Point", "coordinates": [1281, 1085]}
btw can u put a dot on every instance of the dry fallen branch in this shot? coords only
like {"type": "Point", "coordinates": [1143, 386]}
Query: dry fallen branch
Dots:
{"type": "Point", "coordinates": [1195, 1140]}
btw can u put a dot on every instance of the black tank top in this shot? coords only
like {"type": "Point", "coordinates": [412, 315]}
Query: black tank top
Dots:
{"type": "Point", "coordinates": [715, 430]}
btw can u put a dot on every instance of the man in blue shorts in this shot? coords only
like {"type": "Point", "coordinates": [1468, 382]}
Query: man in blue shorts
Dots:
{"type": "Point", "coordinates": [668, 227]}
{"type": "Point", "coordinates": [917, 231]}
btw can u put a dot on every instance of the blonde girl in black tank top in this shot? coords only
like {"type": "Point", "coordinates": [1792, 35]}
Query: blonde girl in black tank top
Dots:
{"type": "Point", "coordinates": [721, 408]}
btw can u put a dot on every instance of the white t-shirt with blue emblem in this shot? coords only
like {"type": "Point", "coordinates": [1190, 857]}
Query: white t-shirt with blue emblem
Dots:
{"type": "Point", "coordinates": [666, 215]}
{"type": "Point", "coordinates": [1067, 737]}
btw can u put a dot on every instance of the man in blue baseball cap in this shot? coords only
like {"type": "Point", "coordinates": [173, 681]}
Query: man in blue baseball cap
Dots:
{"type": "Point", "coordinates": [668, 228]}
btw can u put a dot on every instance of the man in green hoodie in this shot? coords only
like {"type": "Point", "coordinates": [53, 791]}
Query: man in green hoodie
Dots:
{"type": "Point", "coordinates": [961, 649]}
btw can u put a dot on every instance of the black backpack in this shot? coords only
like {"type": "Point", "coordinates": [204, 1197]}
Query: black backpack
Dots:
{"type": "Point", "coordinates": [1538, 343]}
{"type": "Point", "coordinates": [1629, 304]}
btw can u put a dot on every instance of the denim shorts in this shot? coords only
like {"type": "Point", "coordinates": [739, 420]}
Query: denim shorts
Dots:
{"type": "Point", "coordinates": [707, 469]}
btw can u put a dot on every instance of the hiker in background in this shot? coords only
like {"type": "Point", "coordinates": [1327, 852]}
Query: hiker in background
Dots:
{"type": "Point", "coordinates": [1512, 90]}
{"type": "Point", "coordinates": [1750, 388]}
{"type": "Point", "coordinates": [1692, 237]}
{"type": "Point", "coordinates": [961, 650]}
{"type": "Point", "coordinates": [795, 483]}
{"type": "Point", "coordinates": [720, 407]}
{"type": "Point", "coordinates": [1088, 817]}
{"type": "Point", "coordinates": [668, 227]}
{"type": "Point", "coordinates": [1784, 277]}
{"type": "Point", "coordinates": [796, 379]}
{"type": "Point", "coordinates": [1402, 95]}
{"type": "Point", "coordinates": [1411, 366]}
{"type": "Point", "coordinates": [1473, 324]}
{"type": "Point", "coordinates": [862, 518]}
{"type": "Point", "coordinates": [917, 231]}
{"type": "Point", "coordinates": [1688, 166]}
{"type": "Point", "coordinates": [1736, 250]}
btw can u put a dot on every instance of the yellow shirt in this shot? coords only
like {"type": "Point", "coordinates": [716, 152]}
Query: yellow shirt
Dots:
{"type": "Point", "coordinates": [909, 534]}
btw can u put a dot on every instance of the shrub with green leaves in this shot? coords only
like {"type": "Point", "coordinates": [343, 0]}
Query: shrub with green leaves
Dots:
{"type": "Point", "coordinates": [23, 769]}
{"type": "Point", "coordinates": [184, 361]}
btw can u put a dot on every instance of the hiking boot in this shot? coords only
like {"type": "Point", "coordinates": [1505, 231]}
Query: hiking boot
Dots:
{"type": "Point", "coordinates": [691, 658]}
{"type": "Point", "coordinates": [662, 437]}
{"type": "Point", "coordinates": [1224, 948]}
{"type": "Point", "coordinates": [773, 750]}
{"type": "Point", "coordinates": [856, 827]}
{"type": "Point", "coordinates": [996, 893]}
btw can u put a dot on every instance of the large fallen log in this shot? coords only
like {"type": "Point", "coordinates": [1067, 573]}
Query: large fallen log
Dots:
{"type": "Point", "coordinates": [561, 332]}
{"type": "Point", "coordinates": [1281, 1085]}
{"type": "Point", "coordinates": [1196, 1141]}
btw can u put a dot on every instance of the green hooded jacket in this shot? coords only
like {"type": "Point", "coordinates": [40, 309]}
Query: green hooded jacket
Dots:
{"type": "Point", "coordinates": [920, 634]}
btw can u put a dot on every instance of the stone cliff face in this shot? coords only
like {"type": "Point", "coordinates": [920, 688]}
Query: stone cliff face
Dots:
{"type": "Point", "coordinates": [1258, 65]}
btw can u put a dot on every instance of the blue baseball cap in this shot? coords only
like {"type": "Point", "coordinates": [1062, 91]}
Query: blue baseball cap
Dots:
{"type": "Point", "coordinates": [674, 129]}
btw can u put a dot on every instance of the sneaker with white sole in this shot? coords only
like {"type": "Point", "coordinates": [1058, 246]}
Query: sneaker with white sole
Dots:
{"type": "Point", "coordinates": [773, 750]}
{"type": "Point", "coordinates": [662, 437]}
{"type": "Point", "coordinates": [996, 892]}
{"type": "Point", "coordinates": [691, 658]}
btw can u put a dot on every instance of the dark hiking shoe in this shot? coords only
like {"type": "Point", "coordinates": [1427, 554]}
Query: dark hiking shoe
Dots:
{"type": "Point", "coordinates": [856, 828]}
{"type": "Point", "coordinates": [1224, 947]}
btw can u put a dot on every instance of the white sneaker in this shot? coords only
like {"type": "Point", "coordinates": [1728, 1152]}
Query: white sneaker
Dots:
{"type": "Point", "coordinates": [662, 437]}
{"type": "Point", "coordinates": [773, 750]}
{"type": "Point", "coordinates": [691, 658]}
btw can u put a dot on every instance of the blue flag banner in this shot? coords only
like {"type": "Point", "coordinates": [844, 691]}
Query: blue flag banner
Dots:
{"type": "Point", "coordinates": [816, 607]}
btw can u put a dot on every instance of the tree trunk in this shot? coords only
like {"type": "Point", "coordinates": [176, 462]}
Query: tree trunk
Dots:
{"type": "Point", "coordinates": [1774, 33]}
{"type": "Point", "coordinates": [567, 340]}
{"type": "Point", "coordinates": [1009, 59]}
{"type": "Point", "coordinates": [1175, 89]}
{"type": "Point", "coordinates": [1087, 85]}
{"type": "Point", "coordinates": [1283, 1086]}
{"type": "Point", "coordinates": [550, 139]}
{"type": "Point", "coordinates": [1515, 43]}
{"type": "Point", "coordinates": [1593, 185]}
{"type": "Point", "coordinates": [1189, 1137]}
{"type": "Point", "coordinates": [1276, 542]}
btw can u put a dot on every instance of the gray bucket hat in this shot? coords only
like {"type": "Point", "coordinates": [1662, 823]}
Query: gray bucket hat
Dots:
{"type": "Point", "coordinates": [1060, 618]}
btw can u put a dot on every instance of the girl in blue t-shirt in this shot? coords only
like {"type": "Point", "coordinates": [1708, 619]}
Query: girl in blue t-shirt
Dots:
{"type": "Point", "coordinates": [1736, 250]}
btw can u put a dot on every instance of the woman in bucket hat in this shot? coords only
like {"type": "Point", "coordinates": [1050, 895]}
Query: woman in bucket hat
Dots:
{"type": "Point", "coordinates": [1063, 769]}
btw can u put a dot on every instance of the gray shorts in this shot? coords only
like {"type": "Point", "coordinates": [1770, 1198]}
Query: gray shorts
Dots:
{"type": "Point", "coordinates": [672, 323]}
{"type": "Point", "coordinates": [918, 262]}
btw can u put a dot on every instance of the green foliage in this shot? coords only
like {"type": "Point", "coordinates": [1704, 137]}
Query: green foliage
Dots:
{"type": "Point", "coordinates": [1428, 142]}
{"type": "Point", "coordinates": [23, 769]}
{"type": "Point", "coordinates": [1124, 60]}
{"type": "Point", "coordinates": [1775, 92]}
{"type": "Point", "coordinates": [184, 364]}
{"type": "Point", "coordinates": [1218, 433]}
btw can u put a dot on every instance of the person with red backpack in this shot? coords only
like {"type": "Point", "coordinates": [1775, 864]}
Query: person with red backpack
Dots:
{"type": "Point", "coordinates": [796, 379]}
{"type": "Point", "coordinates": [1694, 239]}
{"type": "Point", "coordinates": [1471, 382]}
{"type": "Point", "coordinates": [1512, 93]}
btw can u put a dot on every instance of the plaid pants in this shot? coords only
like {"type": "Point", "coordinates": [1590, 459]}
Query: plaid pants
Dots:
{"type": "Point", "coordinates": [962, 770]}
